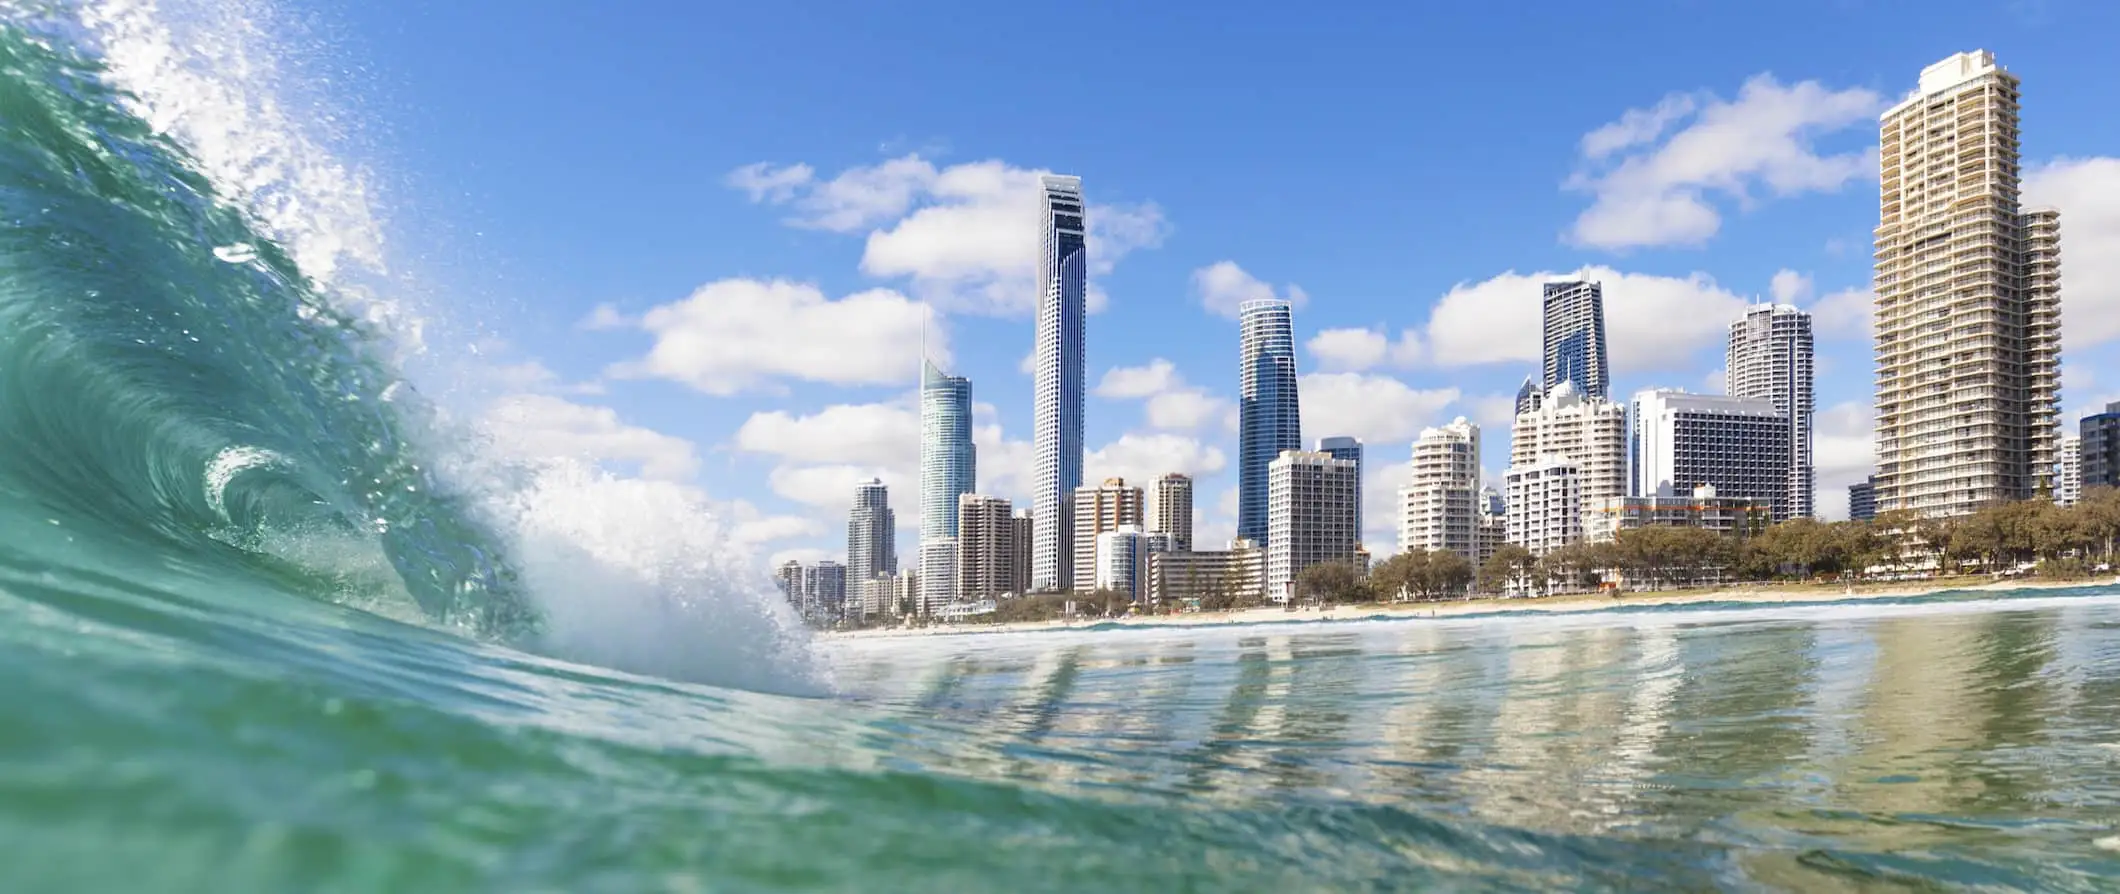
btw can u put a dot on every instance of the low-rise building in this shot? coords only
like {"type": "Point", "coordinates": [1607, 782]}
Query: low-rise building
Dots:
{"type": "Point", "coordinates": [1703, 508]}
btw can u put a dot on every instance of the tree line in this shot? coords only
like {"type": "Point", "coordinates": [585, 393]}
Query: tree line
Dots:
{"type": "Point", "coordinates": [2056, 541]}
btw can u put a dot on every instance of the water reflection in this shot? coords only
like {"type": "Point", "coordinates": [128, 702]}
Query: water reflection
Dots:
{"type": "Point", "coordinates": [1823, 737]}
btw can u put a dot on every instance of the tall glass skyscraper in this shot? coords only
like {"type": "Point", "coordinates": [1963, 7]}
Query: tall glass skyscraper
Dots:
{"type": "Point", "coordinates": [1269, 417]}
{"type": "Point", "coordinates": [1575, 338]}
{"type": "Point", "coordinates": [1056, 407]}
{"type": "Point", "coordinates": [948, 470]}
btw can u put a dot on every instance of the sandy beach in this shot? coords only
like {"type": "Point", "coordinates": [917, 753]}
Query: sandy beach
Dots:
{"type": "Point", "coordinates": [1764, 594]}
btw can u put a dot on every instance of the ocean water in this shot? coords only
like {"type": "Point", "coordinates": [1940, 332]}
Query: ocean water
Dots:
{"type": "Point", "coordinates": [278, 614]}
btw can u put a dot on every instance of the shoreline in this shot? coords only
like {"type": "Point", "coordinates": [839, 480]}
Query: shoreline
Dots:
{"type": "Point", "coordinates": [1578, 602]}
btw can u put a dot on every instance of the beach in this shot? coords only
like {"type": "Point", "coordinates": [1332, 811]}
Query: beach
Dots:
{"type": "Point", "coordinates": [1763, 594]}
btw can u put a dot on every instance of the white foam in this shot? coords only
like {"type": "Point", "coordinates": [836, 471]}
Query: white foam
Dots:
{"type": "Point", "coordinates": [229, 463]}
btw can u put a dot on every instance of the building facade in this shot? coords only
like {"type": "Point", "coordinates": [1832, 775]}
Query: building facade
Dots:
{"type": "Point", "coordinates": [948, 470]}
{"type": "Point", "coordinates": [1025, 529]}
{"type": "Point", "coordinates": [1350, 449]}
{"type": "Point", "coordinates": [789, 578]}
{"type": "Point", "coordinates": [1269, 414]}
{"type": "Point", "coordinates": [1545, 499]}
{"type": "Point", "coordinates": [1862, 499]}
{"type": "Point", "coordinates": [1056, 407]}
{"type": "Point", "coordinates": [1739, 446]}
{"type": "Point", "coordinates": [1106, 507]}
{"type": "Point", "coordinates": [1702, 508]}
{"type": "Point", "coordinates": [1310, 517]}
{"type": "Point", "coordinates": [2099, 448]}
{"type": "Point", "coordinates": [986, 549]}
{"type": "Point", "coordinates": [1968, 312]}
{"type": "Point", "coordinates": [1590, 432]}
{"type": "Point", "coordinates": [872, 545]}
{"type": "Point", "coordinates": [1575, 338]}
{"type": "Point", "coordinates": [1236, 575]}
{"type": "Point", "coordinates": [824, 592]}
{"type": "Point", "coordinates": [1771, 357]}
{"type": "Point", "coordinates": [2068, 477]}
{"type": "Point", "coordinates": [1123, 561]}
{"type": "Point", "coordinates": [1439, 508]}
{"type": "Point", "coordinates": [1170, 510]}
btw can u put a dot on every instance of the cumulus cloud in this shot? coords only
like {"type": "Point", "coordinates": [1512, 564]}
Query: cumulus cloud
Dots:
{"type": "Point", "coordinates": [965, 235]}
{"type": "Point", "coordinates": [539, 426]}
{"type": "Point", "coordinates": [1355, 350]}
{"type": "Point", "coordinates": [744, 334]}
{"type": "Point", "coordinates": [877, 434]}
{"type": "Point", "coordinates": [2087, 190]}
{"type": "Point", "coordinates": [1655, 323]}
{"type": "Point", "coordinates": [1845, 314]}
{"type": "Point", "coordinates": [1141, 458]}
{"type": "Point", "coordinates": [1168, 402]}
{"type": "Point", "coordinates": [1380, 410]}
{"type": "Point", "coordinates": [1223, 287]}
{"type": "Point", "coordinates": [1654, 172]}
{"type": "Point", "coordinates": [1844, 451]}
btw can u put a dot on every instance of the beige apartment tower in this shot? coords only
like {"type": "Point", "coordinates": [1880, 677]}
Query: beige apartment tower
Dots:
{"type": "Point", "coordinates": [986, 549]}
{"type": "Point", "coordinates": [1170, 510]}
{"type": "Point", "coordinates": [1968, 312]}
{"type": "Point", "coordinates": [1097, 510]}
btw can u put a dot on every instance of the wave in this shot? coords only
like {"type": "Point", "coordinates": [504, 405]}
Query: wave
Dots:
{"type": "Point", "coordinates": [201, 386]}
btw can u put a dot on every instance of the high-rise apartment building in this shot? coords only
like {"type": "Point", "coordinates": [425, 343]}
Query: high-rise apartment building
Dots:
{"type": "Point", "coordinates": [1024, 530]}
{"type": "Point", "coordinates": [1056, 410]}
{"type": "Point", "coordinates": [1348, 449]}
{"type": "Point", "coordinates": [1739, 446]}
{"type": "Point", "coordinates": [1545, 504]}
{"type": "Point", "coordinates": [1575, 338]}
{"type": "Point", "coordinates": [789, 578]}
{"type": "Point", "coordinates": [948, 470]}
{"type": "Point", "coordinates": [1968, 308]}
{"type": "Point", "coordinates": [872, 545]}
{"type": "Point", "coordinates": [986, 548]}
{"type": "Point", "coordinates": [1590, 432]}
{"type": "Point", "coordinates": [1529, 395]}
{"type": "Point", "coordinates": [1770, 358]}
{"type": "Point", "coordinates": [824, 591]}
{"type": "Point", "coordinates": [1269, 416]}
{"type": "Point", "coordinates": [2100, 448]}
{"type": "Point", "coordinates": [1439, 508]}
{"type": "Point", "coordinates": [1170, 510]}
{"type": "Point", "coordinates": [1106, 507]}
{"type": "Point", "coordinates": [1122, 560]}
{"type": "Point", "coordinates": [1310, 517]}
{"type": "Point", "coordinates": [2068, 477]}
{"type": "Point", "coordinates": [1862, 499]}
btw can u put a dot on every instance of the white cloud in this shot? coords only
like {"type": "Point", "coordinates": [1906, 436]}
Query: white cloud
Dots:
{"type": "Point", "coordinates": [1789, 287]}
{"type": "Point", "coordinates": [604, 316]}
{"type": "Point", "coordinates": [2087, 190]}
{"type": "Point", "coordinates": [1493, 413]}
{"type": "Point", "coordinates": [1223, 288]}
{"type": "Point", "coordinates": [1845, 314]}
{"type": "Point", "coordinates": [538, 426]}
{"type": "Point", "coordinates": [1169, 403]}
{"type": "Point", "coordinates": [1380, 410]}
{"type": "Point", "coordinates": [862, 434]}
{"type": "Point", "coordinates": [753, 528]}
{"type": "Point", "coordinates": [743, 334]}
{"type": "Point", "coordinates": [1653, 322]}
{"type": "Point", "coordinates": [965, 235]}
{"type": "Point", "coordinates": [1844, 452]}
{"type": "Point", "coordinates": [1141, 458]}
{"type": "Point", "coordinates": [1356, 350]}
{"type": "Point", "coordinates": [1380, 499]}
{"type": "Point", "coordinates": [1655, 190]}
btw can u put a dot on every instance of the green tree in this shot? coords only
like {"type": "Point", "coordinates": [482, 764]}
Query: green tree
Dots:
{"type": "Point", "coordinates": [1331, 582]}
{"type": "Point", "coordinates": [1509, 564]}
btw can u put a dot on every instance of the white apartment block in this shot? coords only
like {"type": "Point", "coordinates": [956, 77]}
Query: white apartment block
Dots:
{"type": "Point", "coordinates": [1545, 504]}
{"type": "Point", "coordinates": [1098, 509]}
{"type": "Point", "coordinates": [1590, 432]}
{"type": "Point", "coordinates": [1310, 516]}
{"type": "Point", "coordinates": [1739, 446]}
{"type": "Point", "coordinates": [1968, 306]}
{"type": "Point", "coordinates": [2068, 480]}
{"type": "Point", "coordinates": [1123, 560]}
{"type": "Point", "coordinates": [1439, 508]}
{"type": "Point", "coordinates": [1771, 358]}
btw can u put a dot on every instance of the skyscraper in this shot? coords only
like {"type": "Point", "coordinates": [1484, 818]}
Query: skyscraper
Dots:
{"type": "Point", "coordinates": [1440, 506]}
{"type": "Point", "coordinates": [1170, 510]}
{"type": "Point", "coordinates": [1056, 411]}
{"type": "Point", "coordinates": [2068, 478]}
{"type": "Point", "coordinates": [1862, 499]}
{"type": "Point", "coordinates": [872, 545]}
{"type": "Point", "coordinates": [1311, 517]}
{"type": "Point", "coordinates": [1590, 432]}
{"type": "Point", "coordinates": [986, 548]}
{"type": "Point", "coordinates": [1739, 446]}
{"type": "Point", "coordinates": [1575, 338]}
{"type": "Point", "coordinates": [1770, 359]}
{"type": "Point", "coordinates": [1349, 449]}
{"type": "Point", "coordinates": [948, 470]}
{"type": "Point", "coordinates": [2098, 448]}
{"type": "Point", "coordinates": [1105, 507]}
{"type": "Point", "coordinates": [1968, 308]}
{"type": "Point", "coordinates": [1545, 504]}
{"type": "Point", "coordinates": [824, 591]}
{"type": "Point", "coordinates": [1268, 412]}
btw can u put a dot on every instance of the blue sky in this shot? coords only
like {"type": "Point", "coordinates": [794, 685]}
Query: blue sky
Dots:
{"type": "Point", "coordinates": [701, 240]}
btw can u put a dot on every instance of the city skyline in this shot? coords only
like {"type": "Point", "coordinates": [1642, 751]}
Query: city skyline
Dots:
{"type": "Point", "coordinates": [775, 468]}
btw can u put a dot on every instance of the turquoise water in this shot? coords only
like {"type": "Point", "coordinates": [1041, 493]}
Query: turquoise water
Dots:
{"type": "Point", "coordinates": [272, 619]}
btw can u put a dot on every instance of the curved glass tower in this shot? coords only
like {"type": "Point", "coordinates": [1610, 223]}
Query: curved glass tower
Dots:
{"type": "Point", "coordinates": [948, 470]}
{"type": "Point", "coordinates": [1269, 419]}
{"type": "Point", "coordinates": [1056, 409]}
